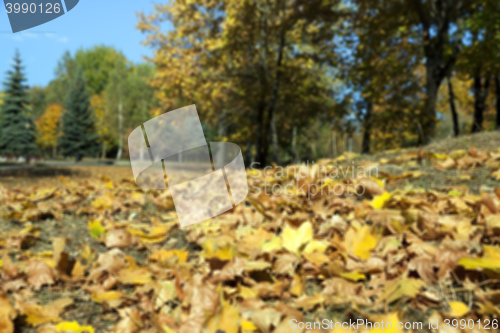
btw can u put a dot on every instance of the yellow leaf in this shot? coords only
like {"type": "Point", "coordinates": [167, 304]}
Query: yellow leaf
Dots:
{"type": "Point", "coordinates": [101, 203]}
{"type": "Point", "coordinates": [361, 242]}
{"type": "Point", "coordinates": [246, 292]}
{"type": "Point", "coordinates": [404, 287]}
{"type": "Point", "coordinates": [134, 276]}
{"type": "Point", "coordinates": [440, 156]}
{"type": "Point", "coordinates": [166, 293]}
{"type": "Point", "coordinates": [155, 235]}
{"type": "Point", "coordinates": [41, 314]}
{"type": "Point", "coordinates": [247, 326]}
{"type": "Point", "coordinates": [379, 182]}
{"type": "Point", "coordinates": [73, 327]}
{"type": "Point", "coordinates": [167, 329]}
{"type": "Point", "coordinates": [170, 258]}
{"type": "Point", "coordinates": [458, 309]}
{"type": "Point", "coordinates": [96, 229]}
{"type": "Point", "coordinates": [7, 314]}
{"type": "Point", "coordinates": [224, 252]}
{"type": "Point", "coordinates": [274, 244]}
{"type": "Point", "coordinates": [315, 246]}
{"type": "Point", "coordinates": [298, 285]}
{"type": "Point", "coordinates": [295, 239]}
{"type": "Point", "coordinates": [458, 153]}
{"type": "Point", "coordinates": [226, 320]}
{"type": "Point", "coordinates": [379, 201]}
{"type": "Point", "coordinates": [353, 276]}
{"type": "Point", "coordinates": [489, 261]}
{"type": "Point", "coordinates": [106, 296]}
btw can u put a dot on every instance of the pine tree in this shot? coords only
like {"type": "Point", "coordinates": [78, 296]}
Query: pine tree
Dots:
{"type": "Point", "coordinates": [79, 136]}
{"type": "Point", "coordinates": [18, 131]}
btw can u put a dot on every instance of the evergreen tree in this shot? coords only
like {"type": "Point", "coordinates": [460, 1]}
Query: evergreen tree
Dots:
{"type": "Point", "coordinates": [79, 136]}
{"type": "Point", "coordinates": [18, 132]}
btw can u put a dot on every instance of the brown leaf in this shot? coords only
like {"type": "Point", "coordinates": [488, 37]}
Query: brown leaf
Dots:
{"type": "Point", "coordinates": [41, 314]}
{"type": "Point", "coordinates": [7, 314]}
{"type": "Point", "coordinates": [371, 187]}
{"type": "Point", "coordinates": [130, 321]}
{"type": "Point", "coordinates": [286, 264]}
{"type": "Point", "coordinates": [118, 238]}
{"type": "Point", "coordinates": [39, 274]}
{"type": "Point", "coordinates": [266, 319]}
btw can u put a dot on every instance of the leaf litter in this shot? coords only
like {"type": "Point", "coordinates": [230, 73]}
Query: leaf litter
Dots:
{"type": "Point", "coordinates": [102, 255]}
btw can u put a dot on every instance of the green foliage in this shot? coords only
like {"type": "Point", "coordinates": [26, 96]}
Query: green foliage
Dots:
{"type": "Point", "coordinates": [18, 132]}
{"type": "Point", "coordinates": [97, 64]}
{"type": "Point", "coordinates": [78, 136]}
{"type": "Point", "coordinates": [38, 100]}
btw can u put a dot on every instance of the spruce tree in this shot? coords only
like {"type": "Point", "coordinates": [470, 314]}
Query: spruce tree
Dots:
{"type": "Point", "coordinates": [17, 129]}
{"type": "Point", "coordinates": [79, 137]}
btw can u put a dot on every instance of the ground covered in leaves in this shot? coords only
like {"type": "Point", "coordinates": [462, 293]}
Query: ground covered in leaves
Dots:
{"type": "Point", "coordinates": [93, 252]}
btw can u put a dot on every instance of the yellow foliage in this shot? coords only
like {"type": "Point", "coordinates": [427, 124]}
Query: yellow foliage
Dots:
{"type": "Point", "coordinates": [295, 239]}
{"type": "Point", "coordinates": [74, 327]}
{"type": "Point", "coordinates": [47, 126]}
{"type": "Point", "coordinates": [458, 309]}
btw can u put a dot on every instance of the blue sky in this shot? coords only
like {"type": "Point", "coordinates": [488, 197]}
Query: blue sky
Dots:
{"type": "Point", "coordinates": [91, 22]}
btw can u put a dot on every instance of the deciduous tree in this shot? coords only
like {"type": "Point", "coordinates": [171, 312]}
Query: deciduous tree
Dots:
{"type": "Point", "coordinates": [48, 127]}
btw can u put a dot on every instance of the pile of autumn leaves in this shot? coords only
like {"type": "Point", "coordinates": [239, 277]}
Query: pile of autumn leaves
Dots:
{"type": "Point", "coordinates": [385, 256]}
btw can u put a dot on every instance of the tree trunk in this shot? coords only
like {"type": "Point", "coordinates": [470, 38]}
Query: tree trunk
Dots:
{"type": "Point", "coordinates": [261, 137]}
{"type": "Point", "coordinates": [313, 149]}
{"type": "Point", "coordinates": [367, 128]}
{"type": "Point", "coordinates": [103, 153]}
{"type": "Point", "coordinates": [435, 24]}
{"type": "Point", "coordinates": [454, 115]}
{"type": "Point", "coordinates": [120, 130]}
{"type": "Point", "coordinates": [294, 144]}
{"type": "Point", "coordinates": [274, 138]}
{"type": "Point", "coordinates": [248, 153]}
{"type": "Point", "coordinates": [481, 88]}
{"type": "Point", "coordinates": [428, 119]}
{"type": "Point", "coordinates": [264, 145]}
{"type": "Point", "coordinates": [334, 144]}
{"type": "Point", "coordinates": [497, 86]}
{"type": "Point", "coordinates": [221, 133]}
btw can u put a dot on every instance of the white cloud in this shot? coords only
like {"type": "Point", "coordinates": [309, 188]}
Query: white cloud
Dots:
{"type": "Point", "coordinates": [24, 36]}
{"type": "Point", "coordinates": [57, 38]}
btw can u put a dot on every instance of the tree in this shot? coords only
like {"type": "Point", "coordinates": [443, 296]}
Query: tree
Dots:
{"type": "Point", "coordinates": [497, 104]}
{"type": "Point", "coordinates": [18, 133]}
{"type": "Point", "coordinates": [237, 60]}
{"type": "Point", "coordinates": [38, 103]}
{"type": "Point", "coordinates": [479, 59]}
{"type": "Point", "coordinates": [97, 64]}
{"type": "Point", "coordinates": [79, 137]}
{"type": "Point", "coordinates": [98, 104]}
{"type": "Point", "coordinates": [48, 127]}
{"type": "Point", "coordinates": [453, 109]}
{"type": "Point", "coordinates": [440, 23]}
{"type": "Point", "coordinates": [383, 73]}
{"type": "Point", "coordinates": [116, 92]}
